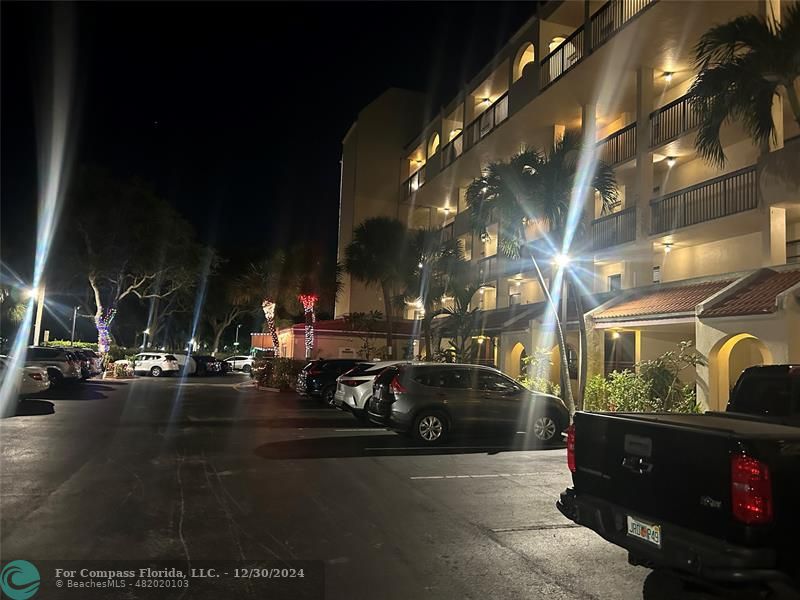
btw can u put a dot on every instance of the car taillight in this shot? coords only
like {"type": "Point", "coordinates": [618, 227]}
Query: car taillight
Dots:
{"type": "Point", "coordinates": [314, 371]}
{"type": "Point", "coordinates": [350, 382]}
{"type": "Point", "coordinates": [571, 447]}
{"type": "Point", "coordinates": [36, 376]}
{"type": "Point", "coordinates": [396, 387]}
{"type": "Point", "coordinates": [751, 490]}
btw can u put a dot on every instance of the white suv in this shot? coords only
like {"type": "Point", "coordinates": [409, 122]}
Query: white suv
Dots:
{"type": "Point", "coordinates": [61, 364]}
{"type": "Point", "coordinates": [354, 388]}
{"type": "Point", "coordinates": [156, 364]}
{"type": "Point", "coordinates": [240, 363]}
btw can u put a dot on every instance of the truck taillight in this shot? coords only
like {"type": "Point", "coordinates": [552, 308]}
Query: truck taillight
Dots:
{"type": "Point", "coordinates": [396, 387]}
{"type": "Point", "coordinates": [36, 376]}
{"type": "Point", "coordinates": [751, 490]}
{"type": "Point", "coordinates": [571, 447]}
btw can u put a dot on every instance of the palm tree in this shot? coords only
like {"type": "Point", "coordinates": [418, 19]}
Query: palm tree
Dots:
{"type": "Point", "coordinates": [431, 277]}
{"type": "Point", "coordinates": [262, 285]}
{"type": "Point", "coordinates": [376, 257]}
{"type": "Point", "coordinates": [542, 187]}
{"type": "Point", "coordinates": [462, 322]}
{"type": "Point", "coordinates": [744, 64]}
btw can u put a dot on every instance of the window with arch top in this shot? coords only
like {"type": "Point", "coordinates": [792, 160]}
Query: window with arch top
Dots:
{"type": "Point", "coordinates": [433, 144]}
{"type": "Point", "coordinates": [525, 56]}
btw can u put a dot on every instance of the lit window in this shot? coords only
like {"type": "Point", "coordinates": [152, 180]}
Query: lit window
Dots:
{"type": "Point", "coordinates": [433, 145]}
{"type": "Point", "coordinates": [525, 56]}
{"type": "Point", "coordinates": [614, 282]}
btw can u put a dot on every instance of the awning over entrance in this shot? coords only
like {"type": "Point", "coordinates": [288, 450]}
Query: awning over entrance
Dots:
{"type": "Point", "coordinates": [756, 296]}
{"type": "Point", "coordinates": [659, 302]}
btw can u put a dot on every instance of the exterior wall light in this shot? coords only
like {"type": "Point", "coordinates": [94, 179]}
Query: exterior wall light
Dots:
{"type": "Point", "coordinates": [667, 248]}
{"type": "Point", "coordinates": [667, 76]}
{"type": "Point", "coordinates": [671, 160]}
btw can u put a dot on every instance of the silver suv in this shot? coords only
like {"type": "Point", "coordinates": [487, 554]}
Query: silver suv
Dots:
{"type": "Point", "coordinates": [432, 400]}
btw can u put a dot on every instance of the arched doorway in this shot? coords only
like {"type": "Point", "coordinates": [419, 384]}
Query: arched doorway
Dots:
{"type": "Point", "coordinates": [516, 361]}
{"type": "Point", "coordinates": [525, 56]}
{"type": "Point", "coordinates": [728, 359]}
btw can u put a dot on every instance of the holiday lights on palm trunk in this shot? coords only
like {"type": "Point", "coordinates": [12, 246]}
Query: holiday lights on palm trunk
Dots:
{"type": "Point", "coordinates": [308, 301]}
{"type": "Point", "coordinates": [103, 321]}
{"type": "Point", "coordinates": [268, 306]}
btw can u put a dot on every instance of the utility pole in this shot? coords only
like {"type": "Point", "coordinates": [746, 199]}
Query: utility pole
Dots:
{"type": "Point", "coordinates": [37, 328]}
{"type": "Point", "coordinates": [72, 336]}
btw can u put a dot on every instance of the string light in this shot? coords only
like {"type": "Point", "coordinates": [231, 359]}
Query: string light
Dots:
{"type": "Point", "coordinates": [268, 306]}
{"type": "Point", "coordinates": [308, 301]}
{"type": "Point", "coordinates": [103, 322]}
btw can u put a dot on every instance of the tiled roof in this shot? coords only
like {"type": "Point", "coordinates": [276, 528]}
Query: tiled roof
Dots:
{"type": "Point", "coordinates": [399, 326]}
{"type": "Point", "coordinates": [758, 297]}
{"type": "Point", "coordinates": [664, 301]}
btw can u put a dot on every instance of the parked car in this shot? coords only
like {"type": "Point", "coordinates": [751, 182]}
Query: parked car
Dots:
{"type": "Point", "coordinates": [61, 365]}
{"type": "Point", "coordinates": [208, 365]}
{"type": "Point", "coordinates": [430, 401]}
{"type": "Point", "coordinates": [187, 364]}
{"type": "Point", "coordinates": [318, 378]}
{"type": "Point", "coordinates": [89, 361]}
{"type": "Point", "coordinates": [354, 388]}
{"type": "Point", "coordinates": [32, 380]}
{"type": "Point", "coordinates": [706, 500]}
{"type": "Point", "coordinates": [156, 364]}
{"type": "Point", "coordinates": [240, 363]}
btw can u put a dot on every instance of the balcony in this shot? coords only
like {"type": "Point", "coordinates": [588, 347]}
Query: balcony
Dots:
{"type": "Point", "coordinates": [487, 269]}
{"type": "Point", "coordinates": [562, 59]}
{"type": "Point", "coordinates": [612, 16]}
{"type": "Point", "coordinates": [671, 121]}
{"type": "Point", "coordinates": [413, 183]}
{"type": "Point", "coordinates": [452, 150]}
{"type": "Point", "coordinates": [486, 122]}
{"type": "Point", "coordinates": [719, 197]}
{"type": "Point", "coordinates": [614, 229]}
{"type": "Point", "coordinates": [619, 146]}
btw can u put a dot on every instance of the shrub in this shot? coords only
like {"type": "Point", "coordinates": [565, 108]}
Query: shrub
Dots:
{"type": "Point", "coordinates": [276, 372]}
{"type": "Point", "coordinates": [122, 370]}
{"type": "Point", "coordinates": [76, 344]}
{"type": "Point", "coordinates": [656, 386]}
{"type": "Point", "coordinates": [540, 384]}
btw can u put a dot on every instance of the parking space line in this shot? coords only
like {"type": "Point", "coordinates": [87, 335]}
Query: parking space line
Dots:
{"type": "Point", "coordinates": [536, 527]}
{"type": "Point", "coordinates": [483, 476]}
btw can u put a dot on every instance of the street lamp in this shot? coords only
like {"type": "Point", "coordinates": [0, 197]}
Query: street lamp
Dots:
{"type": "Point", "coordinates": [146, 332]}
{"type": "Point", "coordinates": [74, 315]}
{"type": "Point", "coordinates": [562, 260]}
{"type": "Point", "coordinates": [236, 343]}
{"type": "Point", "coordinates": [38, 294]}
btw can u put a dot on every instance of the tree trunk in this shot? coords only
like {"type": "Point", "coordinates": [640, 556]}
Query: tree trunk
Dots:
{"type": "Point", "coordinates": [426, 330]}
{"type": "Point", "coordinates": [794, 100]}
{"type": "Point", "coordinates": [387, 305]}
{"type": "Point", "coordinates": [566, 390]}
{"type": "Point", "coordinates": [583, 351]}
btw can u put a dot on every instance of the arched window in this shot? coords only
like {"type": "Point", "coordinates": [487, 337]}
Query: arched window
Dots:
{"type": "Point", "coordinates": [525, 55]}
{"type": "Point", "coordinates": [433, 144]}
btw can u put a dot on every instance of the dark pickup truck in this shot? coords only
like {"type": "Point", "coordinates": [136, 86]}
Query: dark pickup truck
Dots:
{"type": "Point", "coordinates": [710, 501]}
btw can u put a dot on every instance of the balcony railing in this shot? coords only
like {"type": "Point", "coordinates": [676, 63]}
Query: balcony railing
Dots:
{"type": "Point", "coordinates": [672, 120]}
{"type": "Point", "coordinates": [612, 16]}
{"type": "Point", "coordinates": [452, 150]}
{"type": "Point", "coordinates": [614, 229]}
{"type": "Point", "coordinates": [487, 269]}
{"type": "Point", "coordinates": [719, 197]}
{"type": "Point", "coordinates": [562, 59]}
{"type": "Point", "coordinates": [485, 123]}
{"type": "Point", "coordinates": [619, 146]}
{"type": "Point", "coordinates": [413, 183]}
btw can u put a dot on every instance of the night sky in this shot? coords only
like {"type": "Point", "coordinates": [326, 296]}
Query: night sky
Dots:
{"type": "Point", "coordinates": [234, 112]}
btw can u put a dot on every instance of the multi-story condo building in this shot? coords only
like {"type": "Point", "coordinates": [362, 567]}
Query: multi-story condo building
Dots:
{"type": "Point", "coordinates": [691, 252]}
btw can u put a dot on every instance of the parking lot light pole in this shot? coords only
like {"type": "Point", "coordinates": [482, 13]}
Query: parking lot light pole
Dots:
{"type": "Point", "coordinates": [72, 335]}
{"type": "Point", "coordinates": [236, 343]}
{"type": "Point", "coordinates": [146, 332]}
{"type": "Point", "coordinates": [37, 327]}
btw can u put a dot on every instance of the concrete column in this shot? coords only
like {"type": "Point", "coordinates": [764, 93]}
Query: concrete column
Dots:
{"type": "Point", "coordinates": [644, 158]}
{"type": "Point", "coordinates": [589, 137]}
{"type": "Point", "coordinates": [773, 236]}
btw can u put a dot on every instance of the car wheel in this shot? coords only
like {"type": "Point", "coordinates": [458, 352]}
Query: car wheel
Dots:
{"type": "Point", "coordinates": [328, 393]}
{"type": "Point", "coordinates": [156, 371]}
{"type": "Point", "coordinates": [430, 427]}
{"type": "Point", "coordinates": [545, 428]}
{"type": "Point", "coordinates": [246, 369]}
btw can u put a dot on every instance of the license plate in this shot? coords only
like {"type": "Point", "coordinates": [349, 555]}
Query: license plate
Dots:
{"type": "Point", "coordinates": [647, 532]}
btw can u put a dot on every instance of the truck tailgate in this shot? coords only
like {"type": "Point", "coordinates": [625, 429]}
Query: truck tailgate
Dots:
{"type": "Point", "coordinates": [664, 467]}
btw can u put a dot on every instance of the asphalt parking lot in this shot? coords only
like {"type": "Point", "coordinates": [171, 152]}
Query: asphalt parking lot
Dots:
{"type": "Point", "coordinates": [212, 468]}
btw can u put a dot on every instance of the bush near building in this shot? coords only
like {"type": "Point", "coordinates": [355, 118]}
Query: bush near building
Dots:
{"type": "Point", "coordinates": [654, 387]}
{"type": "Point", "coordinates": [278, 373]}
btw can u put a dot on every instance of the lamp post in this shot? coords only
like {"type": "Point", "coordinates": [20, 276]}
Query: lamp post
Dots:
{"type": "Point", "coordinates": [72, 335]}
{"type": "Point", "coordinates": [146, 332]}
{"type": "Point", "coordinates": [236, 343]}
{"type": "Point", "coordinates": [38, 293]}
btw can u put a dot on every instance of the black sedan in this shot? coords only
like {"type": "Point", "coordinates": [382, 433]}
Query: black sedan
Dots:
{"type": "Point", "coordinates": [208, 365]}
